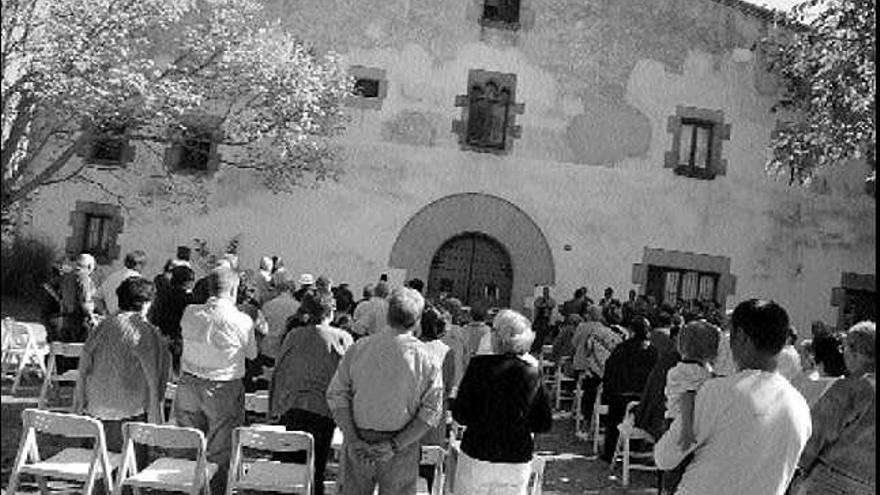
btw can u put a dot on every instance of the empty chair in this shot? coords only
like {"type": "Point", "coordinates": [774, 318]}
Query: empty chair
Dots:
{"type": "Point", "coordinates": [433, 455]}
{"type": "Point", "coordinates": [268, 475]}
{"type": "Point", "coordinates": [24, 344]}
{"type": "Point", "coordinates": [56, 349]}
{"type": "Point", "coordinates": [632, 460]}
{"type": "Point", "coordinates": [536, 479]}
{"type": "Point", "coordinates": [165, 473]}
{"type": "Point", "coordinates": [85, 465]}
{"type": "Point", "coordinates": [561, 379]}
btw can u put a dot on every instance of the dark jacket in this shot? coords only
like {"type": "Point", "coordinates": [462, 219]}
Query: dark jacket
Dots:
{"type": "Point", "coordinates": [501, 400]}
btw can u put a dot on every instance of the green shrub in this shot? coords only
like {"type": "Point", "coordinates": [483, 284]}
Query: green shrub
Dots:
{"type": "Point", "coordinates": [26, 264]}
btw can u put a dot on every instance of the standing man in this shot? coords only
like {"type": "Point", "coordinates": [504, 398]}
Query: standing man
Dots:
{"type": "Point", "coordinates": [370, 316]}
{"type": "Point", "coordinates": [217, 338]}
{"type": "Point", "coordinates": [544, 306]}
{"type": "Point", "coordinates": [77, 306]}
{"type": "Point", "coordinates": [133, 265]}
{"type": "Point", "coordinates": [575, 305]}
{"type": "Point", "coordinates": [386, 394]}
{"type": "Point", "coordinates": [750, 427]}
{"type": "Point", "coordinates": [305, 366]}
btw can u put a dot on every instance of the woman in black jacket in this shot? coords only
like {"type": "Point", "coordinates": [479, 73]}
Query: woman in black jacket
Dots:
{"type": "Point", "coordinates": [501, 401]}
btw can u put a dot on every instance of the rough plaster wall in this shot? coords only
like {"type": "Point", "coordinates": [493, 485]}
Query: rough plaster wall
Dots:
{"type": "Point", "coordinates": [599, 80]}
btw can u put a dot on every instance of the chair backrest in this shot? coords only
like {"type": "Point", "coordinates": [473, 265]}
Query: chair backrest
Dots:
{"type": "Point", "coordinates": [537, 477]}
{"type": "Point", "coordinates": [167, 436]}
{"type": "Point", "coordinates": [272, 441]}
{"type": "Point", "coordinates": [257, 402]}
{"type": "Point", "coordinates": [67, 349]}
{"type": "Point", "coordinates": [434, 455]}
{"type": "Point", "coordinates": [68, 425]}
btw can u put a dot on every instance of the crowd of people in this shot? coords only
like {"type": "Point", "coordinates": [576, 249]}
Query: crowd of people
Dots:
{"type": "Point", "coordinates": [735, 405]}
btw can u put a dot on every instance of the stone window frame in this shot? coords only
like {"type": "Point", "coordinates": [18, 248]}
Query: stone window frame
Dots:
{"type": "Point", "coordinates": [368, 103]}
{"type": "Point", "coordinates": [720, 132]}
{"type": "Point", "coordinates": [476, 13]}
{"type": "Point", "coordinates": [76, 243]}
{"type": "Point", "coordinates": [97, 137]}
{"type": "Point", "coordinates": [205, 125]}
{"type": "Point", "coordinates": [725, 286]}
{"type": "Point", "coordinates": [849, 282]}
{"type": "Point", "coordinates": [513, 131]}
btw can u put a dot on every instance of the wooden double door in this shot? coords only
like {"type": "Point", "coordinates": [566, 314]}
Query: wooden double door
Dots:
{"type": "Point", "coordinates": [473, 268]}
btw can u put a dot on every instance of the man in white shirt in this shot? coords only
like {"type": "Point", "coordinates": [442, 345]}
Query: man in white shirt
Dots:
{"type": "Point", "coordinates": [217, 338]}
{"type": "Point", "coordinates": [750, 427]}
{"type": "Point", "coordinates": [370, 316]}
{"type": "Point", "coordinates": [106, 296]}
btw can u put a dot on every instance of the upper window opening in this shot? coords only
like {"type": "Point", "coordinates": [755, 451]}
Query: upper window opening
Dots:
{"type": "Point", "coordinates": [504, 13]}
{"type": "Point", "coordinates": [366, 88]}
{"type": "Point", "coordinates": [489, 115]}
{"type": "Point", "coordinates": [196, 152]}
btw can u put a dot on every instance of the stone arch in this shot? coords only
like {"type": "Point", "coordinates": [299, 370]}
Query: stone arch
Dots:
{"type": "Point", "coordinates": [495, 217]}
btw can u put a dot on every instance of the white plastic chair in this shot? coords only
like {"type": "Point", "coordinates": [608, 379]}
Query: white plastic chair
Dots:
{"type": "Point", "coordinates": [165, 473]}
{"type": "Point", "coordinates": [560, 379]}
{"type": "Point", "coordinates": [433, 455]}
{"type": "Point", "coordinates": [67, 349]}
{"type": "Point", "coordinates": [24, 344]}
{"type": "Point", "coordinates": [266, 475]}
{"type": "Point", "coordinates": [73, 464]}
{"type": "Point", "coordinates": [631, 460]}
{"type": "Point", "coordinates": [536, 479]}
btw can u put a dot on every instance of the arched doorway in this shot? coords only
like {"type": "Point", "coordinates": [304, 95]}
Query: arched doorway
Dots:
{"type": "Point", "coordinates": [474, 268]}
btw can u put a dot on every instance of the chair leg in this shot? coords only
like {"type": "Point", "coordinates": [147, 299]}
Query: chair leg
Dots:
{"type": "Point", "coordinates": [47, 382]}
{"type": "Point", "coordinates": [626, 453]}
{"type": "Point", "coordinates": [22, 362]}
{"type": "Point", "coordinates": [44, 487]}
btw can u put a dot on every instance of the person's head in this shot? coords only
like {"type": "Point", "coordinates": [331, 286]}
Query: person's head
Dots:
{"type": "Point", "coordinates": [580, 292]}
{"type": "Point", "coordinates": [573, 320]}
{"type": "Point", "coordinates": [266, 264]}
{"type": "Point", "coordinates": [135, 294]}
{"type": "Point", "coordinates": [433, 324]}
{"type": "Point", "coordinates": [593, 313]}
{"type": "Point", "coordinates": [405, 308]}
{"type": "Point", "coordinates": [85, 262]}
{"type": "Point", "coordinates": [827, 350]}
{"type": "Point", "coordinates": [759, 330]}
{"type": "Point", "coordinates": [818, 328]}
{"type": "Point", "coordinates": [792, 335]}
{"type": "Point", "coordinates": [632, 295]}
{"type": "Point", "coordinates": [546, 291]}
{"type": "Point", "coordinates": [368, 291]}
{"type": "Point", "coordinates": [277, 263]}
{"type": "Point", "coordinates": [860, 353]}
{"type": "Point", "coordinates": [478, 312]}
{"type": "Point", "coordinates": [698, 340]}
{"type": "Point", "coordinates": [183, 277]}
{"type": "Point", "coordinates": [416, 284]}
{"type": "Point", "coordinates": [169, 265]}
{"type": "Point", "coordinates": [343, 321]}
{"type": "Point", "coordinates": [319, 307]}
{"type": "Point", "coordinates": [452, 306]}
{"type": "Point", "coordinates": [135, 260]}
{"type": "Point", "coordinates": [382, 290]}
{"type": "Point", "coordinates": [639, 328]}
{"type": "Point", "coordinates": [511, 333]}
{"type": "Point", "coordinates": [183, 253]}
{"type": "Point", "coordinates": [324, 285]}
{"type": "Point", "coordinates": [609, 292]}
{"type": "Point", "coordinates": [232, 258]}
{"type": "Point", "coordinates": [223, 282]}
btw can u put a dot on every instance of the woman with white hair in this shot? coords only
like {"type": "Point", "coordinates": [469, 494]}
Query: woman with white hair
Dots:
{"type": "Point", "coordinates": [502, 402]}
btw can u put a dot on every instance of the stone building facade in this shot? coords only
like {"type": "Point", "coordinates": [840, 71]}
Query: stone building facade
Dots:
{"type": "Point", "coordinates": [498, 145]}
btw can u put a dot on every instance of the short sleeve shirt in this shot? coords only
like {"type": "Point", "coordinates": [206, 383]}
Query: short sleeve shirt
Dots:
{"type": "Point", "coordinates": [683, 377]}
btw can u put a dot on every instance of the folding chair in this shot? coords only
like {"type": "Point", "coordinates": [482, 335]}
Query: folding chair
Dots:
{"type": "Point", "coordinates": [169, 402]}
{"type": "Point", "coordinates": [258, 403]}
{"type": "Point", "coordinates": [24, 344]}
{"type": "Point", "coordinates": [85, 465]}
{"type": "Point", "coordinates": [165, 473]}
{"type": "Point", "coordinates": [433, 455]}
{"type": "Point", "coordinates": [70, 376]}
{"type": "Point", "coordinates": [596, 428]}
{"type": "Point", "coordinates": [561, 379]}
{"type": "Point", "coordinates": [536, 479]}
{"type": "Point", "coordinates": [266, 475]}
{"type": "Point", "coordinates": [644, 461]}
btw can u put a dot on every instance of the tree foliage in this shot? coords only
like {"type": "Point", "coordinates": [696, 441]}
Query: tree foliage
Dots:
{"type": "Point", "coordinates": [827, 69]}
{"type": "Point", "coordinates": [71, 68]}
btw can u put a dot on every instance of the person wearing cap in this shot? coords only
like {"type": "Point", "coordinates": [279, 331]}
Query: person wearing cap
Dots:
{"type": "Point", "coordinates": [369, 317]}
{"type": "Point", "coordinates": [306, 284]}
{"type": "Point", "coordinates": [217, 338]}
{"type": "Point", "coordinates": [133, 265]}
{"type": "Point", "coordinates": [387, 393]}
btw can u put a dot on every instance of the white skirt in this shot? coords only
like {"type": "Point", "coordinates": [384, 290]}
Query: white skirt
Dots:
{"type": "Point", "coordinates": [476, 477]}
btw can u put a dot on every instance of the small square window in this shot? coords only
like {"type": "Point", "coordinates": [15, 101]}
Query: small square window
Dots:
{"type": "Point", "coordinates": [489, 115]}
{"type": "Point", "coordinates": [366, 88]}
{"type": "Point", "coordinates": [501, 13]}
{"type": "Point", "coordinates": [696, 144]}
{"type": "Point", "coordinates": [196, 152]}
{"type": "Point", "coordinates": [110, 146]}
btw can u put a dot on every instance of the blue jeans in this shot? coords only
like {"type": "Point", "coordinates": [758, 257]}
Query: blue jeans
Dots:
{"type": "Point", "coordinates": [398, 476]}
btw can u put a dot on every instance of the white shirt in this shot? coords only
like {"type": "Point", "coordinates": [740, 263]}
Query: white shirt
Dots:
{"type": "Point", "coordinates": [107, 291]}
{"type": "Point", "coordinates": [217, 338]}
{"type": "Point", "coordinates": [370, 317]}
{"type": "Point", "coordinates": [681, 378]}
{"type": "Point", "coordinates": [724, 364]}
{"type": "Point", "coordinates": [751, 428]}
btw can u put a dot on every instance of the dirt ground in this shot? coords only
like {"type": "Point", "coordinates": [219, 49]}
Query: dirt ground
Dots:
{"type": "Point", "coordinates": [571, 467]}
